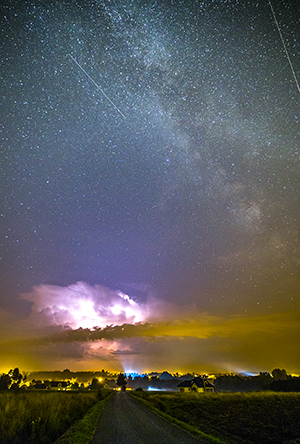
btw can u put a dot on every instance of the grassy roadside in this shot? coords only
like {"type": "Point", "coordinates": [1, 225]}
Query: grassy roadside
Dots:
{"type": "Point", "coordinates": [189, 428]}
{"type": "Point", "coordinates": [83, 430]}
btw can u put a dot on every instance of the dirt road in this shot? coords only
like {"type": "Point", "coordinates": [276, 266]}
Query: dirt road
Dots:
{"type": "Point", "coordinates": [126, 421]}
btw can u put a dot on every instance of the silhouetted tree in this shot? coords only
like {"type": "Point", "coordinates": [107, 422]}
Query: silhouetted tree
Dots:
{"type": "Point", "coordinates": [96, 384]}
{"type": "Point", "coordinates": [24, 377]}
{"type": "Point", "coordinates": [121, 381]}
{"type": "Point", "coordinates": [154, 378]}
{"type": "Point", "coordinates": [279, 374]}
{"type": "Point", "coordinates": [290, 384]}
{"type": "Point", "coordinates": [5, 381]}
{"type": "Point", "coordinates": [16, 378]}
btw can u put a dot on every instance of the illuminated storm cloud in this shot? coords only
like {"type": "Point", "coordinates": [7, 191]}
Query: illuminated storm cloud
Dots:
{"type": "Point", "coordinates": [83, 305]}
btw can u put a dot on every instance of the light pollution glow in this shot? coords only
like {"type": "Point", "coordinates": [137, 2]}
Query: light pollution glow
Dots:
{"type": "Point", "coordinates": [87, 327]}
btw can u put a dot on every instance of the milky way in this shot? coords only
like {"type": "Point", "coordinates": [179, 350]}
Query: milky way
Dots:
{"type": "Point", "coordinates": [164, 163]}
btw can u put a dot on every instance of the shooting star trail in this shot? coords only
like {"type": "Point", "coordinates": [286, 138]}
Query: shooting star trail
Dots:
{"type": "Point", "coordinates": [285, 47]}
{"type": "Point", "coordinates": [97, 86]}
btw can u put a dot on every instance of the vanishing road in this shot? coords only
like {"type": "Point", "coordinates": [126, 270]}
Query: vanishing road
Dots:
{"type": "Point", "coordinates": [125, 421]}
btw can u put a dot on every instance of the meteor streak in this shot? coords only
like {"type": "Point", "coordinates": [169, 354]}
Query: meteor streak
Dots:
{"type": "Point", "coordinates": [285, 47]}
{"type": "Point", "coordinates": [97, 86]}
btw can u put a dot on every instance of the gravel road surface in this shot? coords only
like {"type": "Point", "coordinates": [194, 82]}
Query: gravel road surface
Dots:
{"type": "Point", "coordinates": [126, 421]}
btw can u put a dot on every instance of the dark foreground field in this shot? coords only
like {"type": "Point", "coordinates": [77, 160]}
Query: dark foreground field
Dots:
{"type": "Point", "coordinates": [234, 418]}
{"type": "Point", "coordinates": [260, 418]}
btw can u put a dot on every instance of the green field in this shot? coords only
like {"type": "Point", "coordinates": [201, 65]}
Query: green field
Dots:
{"type": "Point", "coordinates": [257, 417]}
{"type": "Point", "coordinates": [40, 417]}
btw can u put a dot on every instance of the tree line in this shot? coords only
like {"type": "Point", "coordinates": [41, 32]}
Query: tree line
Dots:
{"type": "Point", "coordinates": [12, 380]}
{"type": "Point", "coordinates": [278, 380]}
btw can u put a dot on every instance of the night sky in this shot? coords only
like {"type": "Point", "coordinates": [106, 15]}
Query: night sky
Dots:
{"type": "Point", "coordinates": [150, 182]}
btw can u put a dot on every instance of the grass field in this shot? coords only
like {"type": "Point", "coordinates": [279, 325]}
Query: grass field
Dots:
{"type": "Point", "coordinates": [40, 417]}
{"type": "Point", "coordinates": [257, 417]}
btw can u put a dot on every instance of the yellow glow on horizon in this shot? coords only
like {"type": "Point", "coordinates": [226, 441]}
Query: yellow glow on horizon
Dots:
{"type": "Point", "coordinates": [227, 344]}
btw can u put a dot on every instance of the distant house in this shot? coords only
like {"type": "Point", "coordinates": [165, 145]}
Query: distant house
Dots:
{"type": "Point", "coordinates": [39, 386]}
{"type": "Point", "coordinates": [49, 385]}
{"type": "Point", "coordinates": [197, 384]}
{"type": "Point", "coordinates": [58, 385]}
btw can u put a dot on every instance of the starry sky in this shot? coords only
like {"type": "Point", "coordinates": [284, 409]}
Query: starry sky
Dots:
{"type": "Point", "coordinates": [150, 185]}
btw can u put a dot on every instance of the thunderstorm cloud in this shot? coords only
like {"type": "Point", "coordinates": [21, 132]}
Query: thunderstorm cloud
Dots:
{"type": "Point", "coordinates": [138, 332]}
{"type": "Point", "coordinates": [86, 306]}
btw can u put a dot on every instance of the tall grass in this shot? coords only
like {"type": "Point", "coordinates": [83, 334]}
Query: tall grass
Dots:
{"type": "Point", "coordinates": [260, 418]}
{"type": "Point", "coordinates": [40, 417]}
